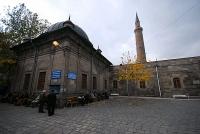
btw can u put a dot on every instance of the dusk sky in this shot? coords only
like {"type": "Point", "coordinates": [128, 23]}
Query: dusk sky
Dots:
{"type": "Point", "coordinates": [171, 28]}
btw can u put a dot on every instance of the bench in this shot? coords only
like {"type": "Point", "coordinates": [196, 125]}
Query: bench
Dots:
{"type": "Point", "coordinates": [72, 101]}
{"type": "Point", "coordinates": [114, 94]}
{"type": "Point", "coordinates": [179, 96]}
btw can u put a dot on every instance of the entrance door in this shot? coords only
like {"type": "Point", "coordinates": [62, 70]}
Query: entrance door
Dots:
{"type": "Point", "coordinates": [56, 88]}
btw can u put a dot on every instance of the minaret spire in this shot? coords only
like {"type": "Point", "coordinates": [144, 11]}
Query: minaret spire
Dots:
{"type": "Point", "coordinates": [137, 17]}
{"type": "Point", "coordinates": [141, 55]}
{"type": "Point", "coordinates": [137, 21]}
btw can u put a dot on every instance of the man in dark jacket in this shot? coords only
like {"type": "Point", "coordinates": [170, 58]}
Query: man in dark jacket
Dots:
{"type": "Point", "coordinates": [42, 100]}
{"type": "Point", "coordinates": [51, 102]}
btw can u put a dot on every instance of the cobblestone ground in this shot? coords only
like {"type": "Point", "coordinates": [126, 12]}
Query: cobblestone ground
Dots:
{"type": "Point", "coordinates": [118, 115]}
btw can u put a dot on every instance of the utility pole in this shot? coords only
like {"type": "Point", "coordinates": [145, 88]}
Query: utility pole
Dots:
{"type": "Point", "coordinates": [158, 80]}
{"type": "Point", "coordinates": [126, 71]}
{"type": "Point", "coordinates": [127, 81]}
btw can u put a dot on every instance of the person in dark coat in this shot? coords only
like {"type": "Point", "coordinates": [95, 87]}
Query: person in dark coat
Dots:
{"type": "Point", "coordinates": [42, 100]}
{"type": "Point", "coordinates": [51, 102]}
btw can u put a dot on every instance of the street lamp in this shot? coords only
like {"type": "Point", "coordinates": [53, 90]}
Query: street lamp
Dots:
{"type": "Point", "coordinates": [57, 44]}
{"type": "Point", "coordinates": [127, 81]}
{"type": "Point", "coordinates": [126, 71]}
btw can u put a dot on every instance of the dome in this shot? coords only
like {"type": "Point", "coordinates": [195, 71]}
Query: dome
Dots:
{"type": "Point", "coordinates": [68, 23]}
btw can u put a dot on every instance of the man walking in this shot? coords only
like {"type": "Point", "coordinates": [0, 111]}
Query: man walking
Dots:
{"type": "Point", "coordinates": [42, 100]}
{"type": "Point", "coordinates": [51, 102]}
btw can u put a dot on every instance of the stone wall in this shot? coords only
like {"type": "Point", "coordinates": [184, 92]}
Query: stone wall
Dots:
{"type": "Point", "coordinates": [186, 69]}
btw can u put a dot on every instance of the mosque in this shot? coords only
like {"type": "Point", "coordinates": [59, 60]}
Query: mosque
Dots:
{"type": "Point", "coordinates": [64, 59]}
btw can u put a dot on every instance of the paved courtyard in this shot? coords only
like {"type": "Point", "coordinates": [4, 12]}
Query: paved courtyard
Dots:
{"type": "Point", "coordinates": [118, 115]}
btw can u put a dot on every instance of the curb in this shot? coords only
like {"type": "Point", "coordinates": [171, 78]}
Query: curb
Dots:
{"type": "Point", "coordinates": [157, 98]}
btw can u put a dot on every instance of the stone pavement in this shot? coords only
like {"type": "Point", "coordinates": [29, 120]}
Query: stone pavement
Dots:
{"type": "Point", "coordinates": [119, 115]}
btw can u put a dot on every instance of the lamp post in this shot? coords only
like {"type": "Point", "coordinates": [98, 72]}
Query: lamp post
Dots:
{"type": "Point", "coordinates": [126, 71]}
{"type": "Point", "coordinates": [127, 82]}
{"type": "Point", "coordinates": [158, 80]}
{"type": "Point", "coordinates": [57, 44]}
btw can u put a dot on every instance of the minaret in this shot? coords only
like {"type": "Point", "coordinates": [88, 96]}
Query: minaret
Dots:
{"type": "Point", "coordinates": [141, 56]}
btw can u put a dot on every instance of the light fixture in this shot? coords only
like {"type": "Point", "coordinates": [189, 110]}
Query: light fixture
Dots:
{"type": "Point", "coordinates": [55, 43]}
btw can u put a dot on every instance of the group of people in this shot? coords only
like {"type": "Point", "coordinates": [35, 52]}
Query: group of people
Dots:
{"type": "Point", "coordinates": [50, 99]}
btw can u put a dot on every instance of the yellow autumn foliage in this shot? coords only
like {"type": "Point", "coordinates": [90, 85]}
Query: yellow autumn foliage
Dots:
{"type": "Point", "coordinates": [7, 61]}
{"type": "Point", "coordinates": [131, 70]}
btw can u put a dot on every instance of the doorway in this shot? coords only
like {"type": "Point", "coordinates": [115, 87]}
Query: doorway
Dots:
{"type": "Point", "coordinates": [56, 88]}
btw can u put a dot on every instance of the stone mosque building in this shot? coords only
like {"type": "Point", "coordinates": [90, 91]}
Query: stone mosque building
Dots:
{"type": "Point", "coordinates": [64, 59]}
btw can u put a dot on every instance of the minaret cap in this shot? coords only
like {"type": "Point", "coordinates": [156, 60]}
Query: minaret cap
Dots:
{"type": "Point", "coordinates": [137, 21]}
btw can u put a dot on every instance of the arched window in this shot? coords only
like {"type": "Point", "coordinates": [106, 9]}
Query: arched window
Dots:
{"type": "Point", "coordinates": [177, 83]}
{"type": "Point", "coordinates": [142, 84]}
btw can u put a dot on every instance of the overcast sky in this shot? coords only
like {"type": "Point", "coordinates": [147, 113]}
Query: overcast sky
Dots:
{"type": "Point", "coordinates": [171, 28]}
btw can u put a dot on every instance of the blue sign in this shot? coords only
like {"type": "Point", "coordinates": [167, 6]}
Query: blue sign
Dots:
{"type": "Point", "coordinates": [56, 74]}
{"type": "Point", "coordinates": [71, 75]}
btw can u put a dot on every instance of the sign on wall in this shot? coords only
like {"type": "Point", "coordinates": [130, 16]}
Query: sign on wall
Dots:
{"type": "Point", "coordinates": [56, 74]}
{"type": "Point", "coordinates": [71, 75]}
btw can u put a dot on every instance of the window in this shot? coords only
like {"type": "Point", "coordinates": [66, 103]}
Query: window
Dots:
{"type": "Point", "coordinates": [105, 84]}
{"type": "Point", "coordinates": [142, 84]}
{"type": "Point", "coordinates": [41, 81]}
{"type": "Point", "coordinates": [84, 81]}
{"type": "Point", "coordinates": [26, 81]}
{"type": "Point", "coordinates": [94, 83]}
{"type": "Point", "coordinates": [115, 86]}
{"type": "Point", "coordinates": [177, 83]}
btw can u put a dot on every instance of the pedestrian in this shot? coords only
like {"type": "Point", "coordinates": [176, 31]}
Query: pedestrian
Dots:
{"type": "Point", "coordinates": [51, 102]}
{"type": "Point", "coordinates": [42, 100]}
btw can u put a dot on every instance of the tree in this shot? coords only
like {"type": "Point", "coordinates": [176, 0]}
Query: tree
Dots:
{"type": "Point", "coordinates": [6, 55]}
{"type": "Point", "coordinates": [21, 23]}
{"type": "Point", "coordinates": [131, 70]}
{"type": "Point", "coordinates": [7, 62]}
{"type": "Point", "coordinates": [17, 24]}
